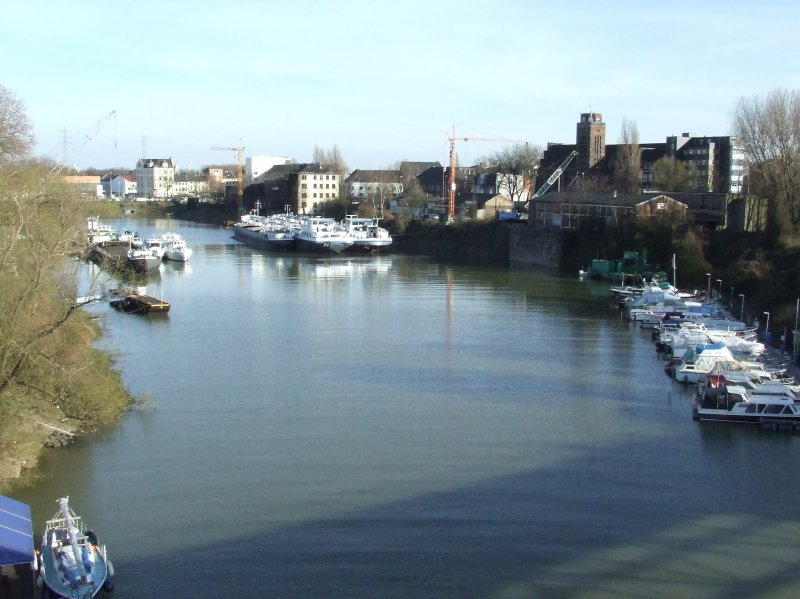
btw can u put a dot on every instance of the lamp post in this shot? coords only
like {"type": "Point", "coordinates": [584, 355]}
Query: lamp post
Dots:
{"type": "Point", "coordinates": [708, 291]}
{"type": "Point", "coordinates": [741, 316]}
{"type": "Point", "coordinates": [731, 298]}
{"type": "Point", "coordinates": [719, 292]}
{"type": "Point", "coordinates": [766, 329]}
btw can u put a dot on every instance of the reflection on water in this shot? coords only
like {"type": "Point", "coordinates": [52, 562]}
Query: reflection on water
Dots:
{"type": "Point", "coordinates": [389, 426]}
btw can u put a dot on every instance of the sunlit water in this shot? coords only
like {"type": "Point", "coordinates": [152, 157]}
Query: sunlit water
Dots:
{"type": "Point", "coordinates": [388, 426]}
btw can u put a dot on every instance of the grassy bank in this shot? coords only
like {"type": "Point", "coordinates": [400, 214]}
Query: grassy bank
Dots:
{"type": "Point", "coordinates": [45, 411]}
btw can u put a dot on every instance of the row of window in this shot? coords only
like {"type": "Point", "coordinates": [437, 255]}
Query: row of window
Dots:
{"type": "Point", "coordinates": [327, 185]}
{"type": "Point", "coordinates": [321, 196]}
{"type": "Point", "coordinates": [322, 177]}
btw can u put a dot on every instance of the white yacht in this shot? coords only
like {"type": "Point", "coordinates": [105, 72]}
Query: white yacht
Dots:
{"type": "Point", "coordinates": [732, 403]}
{"type": "Point", "coordinates": [318, 234]}
{"type": "Point", "coordinates": [699, 360]}
{"type": "Point", "coordinates": [175, 248]}
{"type": "Point", "coordinates": [367, 234]}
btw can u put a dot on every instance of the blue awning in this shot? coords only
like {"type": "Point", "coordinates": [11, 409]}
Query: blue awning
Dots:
{"type": "Point", "coordinates": [16, 532]}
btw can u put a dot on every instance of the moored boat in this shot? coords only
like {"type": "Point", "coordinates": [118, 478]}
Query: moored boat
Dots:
{"type": "Point", "coordinates": [155, 245]}
{"type": "Point", "coordinates": [733, 403]}
{"type": "Point", "coordinates": [72, 562]}
{"type": "Point", "coordinates": [138, 302]}
{"type": "Point", "coordinates": [321, 235]}
{"type": "Point", "coordinates": [142, 260]}
{"type": "Point", "coordinates": [367, 234]}
{"type": "Point", "coordinates": [264, 235]}
{"type": "Point", "coordinates": [175, 248]}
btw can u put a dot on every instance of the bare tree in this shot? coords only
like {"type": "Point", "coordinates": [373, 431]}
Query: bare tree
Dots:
{"type": "Point", "coordinates": [627, 161]}
{"type": "Point", "coordinates": [516, 169]}
{"type": "Point", "coordinates": [769, 130]}
{"type": "Point", "coordinates": [16, 133]}
{"type": "Point", "coordinates": [332, 159]}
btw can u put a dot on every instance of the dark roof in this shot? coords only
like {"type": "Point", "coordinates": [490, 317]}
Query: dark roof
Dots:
{"type": "Point", "coordinates": [155, 162]}
{"type": "Point", "coordinates": [432, 174]}
{"type": "Point", "coordinates": [16, 532]}
{"type": "Point", "coordinates": [373, 176]}
{"type": "Point", "coordinates": [414, 169]}
{"type": "Point", "coordinates": [603, 199]}
{"type": "Point", "coordinates": [189, 177]}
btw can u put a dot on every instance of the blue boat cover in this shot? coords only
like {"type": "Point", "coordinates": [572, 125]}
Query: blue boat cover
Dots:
{"type": "Point", "coordinates": [16, 532]}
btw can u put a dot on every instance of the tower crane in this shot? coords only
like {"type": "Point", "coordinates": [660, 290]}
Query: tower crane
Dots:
{"type": "Point", "coordinates": [451, 193]}
{"type": "Point", "coordinates": [239, 171]}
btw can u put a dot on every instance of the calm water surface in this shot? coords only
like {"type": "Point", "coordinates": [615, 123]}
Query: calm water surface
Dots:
{"type": "Point", "coordinates": [390, 426]}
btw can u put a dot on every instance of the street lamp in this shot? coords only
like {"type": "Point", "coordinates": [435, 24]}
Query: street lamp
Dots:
{"type": "Point", "coordinates": [766, 329]}
{"type": "Point", "coordinates": [730, 298]}
{"type": "Point", "coordinates": [708, 292]}
{"type": "Point", "coordinates": [719, 293]}
{"type": "Point", "coordinates": [741, 316]}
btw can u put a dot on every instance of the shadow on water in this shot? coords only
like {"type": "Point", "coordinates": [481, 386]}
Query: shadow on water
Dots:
{"type": "Point", "coordinates": [525, 535]}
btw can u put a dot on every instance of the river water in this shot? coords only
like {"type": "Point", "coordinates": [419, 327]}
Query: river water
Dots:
{"type": "Point", "coordinates": [390, 426]}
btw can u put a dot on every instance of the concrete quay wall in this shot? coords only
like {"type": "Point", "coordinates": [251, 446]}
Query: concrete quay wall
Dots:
{"type": "Point", "coordinates": [532, 246]}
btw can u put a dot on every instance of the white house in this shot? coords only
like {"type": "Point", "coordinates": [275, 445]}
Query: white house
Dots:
{"type": "Point", "coordinates": [190, 184]}
{"type": "Point", "coordinates": [315, 185]}
{"type": "Point", "coordinates": [375, 184]}
{"type": "Point", "coordinates": [119, 186]}
{"type": "Point", "coordinates": [155, 178]}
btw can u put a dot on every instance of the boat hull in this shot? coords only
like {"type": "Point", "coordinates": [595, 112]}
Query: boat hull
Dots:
{"type": "Point", "coordinates": [57, 583]}
{"type": "Point", "coordinates": [711, 415]}
{"type": "Point", "coordinates": [371, 245]}
{"type": "Point", "coordinates": [72, 563]}
{"type": "Point", "coordinates": [140, 304]}
{"type": "Point", "coordinates": [179, 255]}
{"type": "Point", "coordinates": [327, 246]}
{"type": "Point", "coordinates": [144, 264]}
{"type": "Point", "coordinates": [277, 241]}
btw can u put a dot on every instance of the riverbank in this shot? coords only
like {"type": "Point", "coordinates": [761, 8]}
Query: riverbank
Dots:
{"type": "Point", "coordinates": [35, 419]}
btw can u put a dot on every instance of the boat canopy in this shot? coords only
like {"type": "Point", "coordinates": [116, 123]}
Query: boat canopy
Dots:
{"type": "Point", "coordinates": [16, 532]}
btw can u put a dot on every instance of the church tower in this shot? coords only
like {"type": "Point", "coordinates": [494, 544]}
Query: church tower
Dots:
{"type": "Point", "coordinates": [590, 141]}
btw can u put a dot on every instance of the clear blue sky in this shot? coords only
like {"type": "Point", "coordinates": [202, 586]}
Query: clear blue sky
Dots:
{"type": "Point", "coordinates": [383, 81]}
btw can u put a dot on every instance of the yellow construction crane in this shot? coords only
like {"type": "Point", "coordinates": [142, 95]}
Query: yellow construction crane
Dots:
{"type": "Point", "coordinates": [239, 172]}
{"type": "Point", "coordinates": [451, 194]}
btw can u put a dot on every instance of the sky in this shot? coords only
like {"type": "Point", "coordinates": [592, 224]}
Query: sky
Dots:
{"type": "Point", "coordinates": [107, 83]}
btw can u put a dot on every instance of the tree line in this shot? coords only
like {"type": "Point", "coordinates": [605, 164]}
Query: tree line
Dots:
{"type": "Point", "coordinates": [51, 376]}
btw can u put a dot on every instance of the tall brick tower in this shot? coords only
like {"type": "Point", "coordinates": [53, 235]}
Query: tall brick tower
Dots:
{"type": "Point", "coordinates": [590, 141]}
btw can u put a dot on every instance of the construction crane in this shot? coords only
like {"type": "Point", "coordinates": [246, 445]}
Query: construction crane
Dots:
{"type": "Point", "coordinates": [451, 194]}
{"type": "Point", "coordinates": [239, 172]}
{"type": "Point", "coordinates": [84, 137]}
{"type": "Point", "coordinates": [554, 177]}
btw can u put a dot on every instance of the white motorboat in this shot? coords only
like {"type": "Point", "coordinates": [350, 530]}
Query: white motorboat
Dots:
{"type": "Point", "coordinates": [732, 403]}
{"type": "Point", "coordinates": [699, 360]}
{"type": "Point", "coordinates": [175, 248]}
{"type": "Point", "coordinates": [97, 232]}
{"type": "Point", "coordinates": [155, 245]}
{"type": "Point", "coordinates": [367, 234]}
{"type": "Point", "coordinates": [143, 260]}
{"type": "Point", "coordinates": [72, 563]}
{"type": "Point", "coordinates": [321, 235]}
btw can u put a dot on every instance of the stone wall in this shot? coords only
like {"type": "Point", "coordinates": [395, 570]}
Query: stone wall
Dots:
{"type": "Point", "coordinates": [532, 246]}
